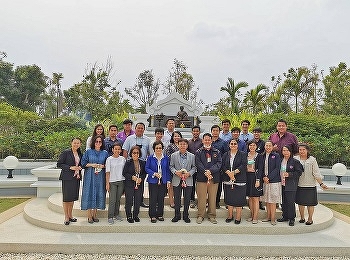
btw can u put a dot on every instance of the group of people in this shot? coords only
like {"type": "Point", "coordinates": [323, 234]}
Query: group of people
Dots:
{"type": "Point", "coordinates": [235, 161]}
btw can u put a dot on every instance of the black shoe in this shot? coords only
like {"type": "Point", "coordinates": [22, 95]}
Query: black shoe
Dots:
{"type": "Point", "coordinates": [175, 219]}
{"type": "Point", "coordinates": [187, 220]}
{"type": "Point", "coordinates": [137, 219]}
{"type": "Point", "coordinates": [291, 222]}
{"type": "Point", "coordinates": [95, 219]}
{"type": "Point", "coordinates": [160, 218]}
{"type": "Point", "coordinates": [153, 220]}
{"type": "Point", "coordinates": [261, 206]}
{"type": "Point", "coordinates": [66, 223]}
{"type": "Point", "coordinates": [73, 220]}
{"type": "Point", "coordinates": [130, 220]}
{"type": "Point", "coordinates": [144, 205]}
{"type": "Point", "coordinates": [237, 221]}
{"type": "Point", "coordinates": [282, 220]}
{"type": "Point", "coordinates": [302, 220]}
{"type": "Point", "coordinates": [90, 220]}
{"type": "Point", "coordinates": [228, 220]}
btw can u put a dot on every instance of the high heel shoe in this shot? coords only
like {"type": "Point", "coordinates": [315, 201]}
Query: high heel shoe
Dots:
{"type": "Point", "coordinates": [228, 220]}
{"type": "Point", "coordinates": [90, 220]}
{"type": "Point", "coordinates": [95, 219]}
{"type": "Point", "coordinates": [73, 220]}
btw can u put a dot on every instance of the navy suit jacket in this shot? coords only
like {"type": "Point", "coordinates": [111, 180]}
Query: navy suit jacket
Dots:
{"type": "Point", "coordinates": [295, 169]}
{"type": "Point", "coordinates": [274, 167]}
{"type": "Point", "coordinates": [65, 161]}
{"type": "Point", "coordinates": [239, 162]}
{"type": "Point", "coordinates": [129, 171]}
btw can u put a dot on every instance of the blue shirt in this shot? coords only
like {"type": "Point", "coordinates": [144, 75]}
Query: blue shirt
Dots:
{"type": "Point", "coordinates": [143, 142]}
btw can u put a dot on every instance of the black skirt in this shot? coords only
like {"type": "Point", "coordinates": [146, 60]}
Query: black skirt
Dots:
{"type": "Point", "coordinates": [235, 197]}
{"type": "Point", "coordinates": [252, 191]}
{"type": "Point", "coordinates": [70, 190]}
{"type": "Point", "coordinates": [306, 196]}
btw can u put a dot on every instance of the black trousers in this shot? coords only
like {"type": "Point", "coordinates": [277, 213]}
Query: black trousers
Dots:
{"type": "Point", "coordinates": [218, 193]}
{"type": "Point", "coordinates": [156, 199]}
{"type": "Point", "coordinates": [177, 198]}
{"type": "Point", "coordinates": [133, 197]}
{"type": "Point", "coordinates": [193, 192]}
{"type": "Point", "coordinates": [288, 204]}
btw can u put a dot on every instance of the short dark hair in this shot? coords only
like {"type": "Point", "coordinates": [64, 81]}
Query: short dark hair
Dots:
{"type": "Point", "coordinates": [235, 129]}
{"type": "Point", "coordinates": [196, 127]}
{"type": "Point", "coordinates": [135, 147]}
{"type": "Point", "coordinates": [140, 123]}
{"type": "Point", "coordinates": [181, 140]}
{"type": "Point", "coordinates": [116, 144]}
{"type": "Point", "coordinates": [289, 149]}
{"type": "Point", "coordinates": [281, 120]}
{"type": "Point", "coordinates": [159, 130]}
{"type": "Point", "coordinates": [127, 121]}
{"type": "Point", "coordinates": [207, 134]}
{"type": "Point", "coordinates": [257, 129]}
{"type": "Point", "coordinates": [169, 120]}
{"type": "Point", "coordinates": [109, 128]}
{"type": "Point", "coordinates": [156, 143]}
{"type": "Point", "coordinates": [215, 126]}
{"type": "Point", "coordinates": [245, 121]}
{"type": "Point", "coordinates": [226, 121]}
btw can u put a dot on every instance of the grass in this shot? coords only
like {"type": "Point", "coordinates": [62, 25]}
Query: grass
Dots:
{"type": "Point", "coordinates": [341, 208]}
{"type": "Point", "coordinates": [7, 203]}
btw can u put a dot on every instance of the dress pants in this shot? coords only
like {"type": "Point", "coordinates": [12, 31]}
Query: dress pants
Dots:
{"type": "Point", "coordinates": [156, 199]}
{"type": "Point", "coordinates": [133, 197]}
{"type": "Point", "coordinates": [205, 190]}
{"type": "Point", "coordinates": [177, 198]}
{"type": "Point", "coordinates": [288, 204]}
{"type": "Point", "coordinates": [116, 190]}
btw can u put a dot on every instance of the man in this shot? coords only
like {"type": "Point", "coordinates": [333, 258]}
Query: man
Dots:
{"type": "Point", "coordinates": [170, 125]}
{"type": "Point", "coordinates": [112, 139]}
{"type": "Point", "coordinates": [257, 139]}
{"type": "Point", "coordinates": [244, 134]}
{"type": "Point", "coordinates": [225, 134]}
{"type": "Point", "coordinates": [142, 141]}
{"type": "Point", "coordinates": [182, 166]}
{"type": "Point", "coordinates": [158, 133]}
{"type": "Point", "coordinates": [235, 132]}
{"type": "Point", "coordinates": [208, 163]}
{"type": "Point", "coordinates": [223, 147]}
{"type": "Point", "coordinates": [282, 138]}
{"type": "Point", "coordinates": [193, 145]}
{"type": "Point", "coordinates": [127, 126]}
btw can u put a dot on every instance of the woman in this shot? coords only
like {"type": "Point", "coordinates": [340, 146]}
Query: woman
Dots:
{"type": "Point", "coordinates": [172, 148]}
{"type": "Point", "coordinates": [269, 166]}
{"type": "Point", "coordinates": [70, 163]}
{"type": "Point", "coordinates": [115, 182]}
{"type": "Point", "coordinates": [234, 167]}
{"type": "Point", "coordinates": [94, 183]}
{"type": "Point", "coordinates": [306, 191]}
{"type": "Point", "coordinates": [134, 173]}
{"type": "Point", "coordinates": [157, 169]}
{"type": "Point", "coordinates": [98, 130]}
{"type": "Point", "coordinates": [291, 170]}
{"type": "Point", "coordinates": [254, 182]}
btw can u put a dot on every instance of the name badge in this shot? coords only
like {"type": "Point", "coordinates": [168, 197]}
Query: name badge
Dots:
{"type": "Point", "coordinates": [208, 159]}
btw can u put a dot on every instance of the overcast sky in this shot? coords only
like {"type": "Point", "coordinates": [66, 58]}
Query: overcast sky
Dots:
{"type": "Point", "coordinates": [248, 40]}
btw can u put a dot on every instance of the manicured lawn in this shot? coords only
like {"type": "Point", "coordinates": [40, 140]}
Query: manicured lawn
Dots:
{"type": "Point", "coordinates": [7, 203]}
{"type": "Point", "coordinates": [341, 208]}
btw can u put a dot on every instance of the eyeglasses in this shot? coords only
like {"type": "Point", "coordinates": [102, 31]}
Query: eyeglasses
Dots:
{"type": "Point", "coordinates": [135, 153]}
{"type": "Point", "coordinates": [234, 144]}
{"type": "Point", "coordinates": [98, 142]}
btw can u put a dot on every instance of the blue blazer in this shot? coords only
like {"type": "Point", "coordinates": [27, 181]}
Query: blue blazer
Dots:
{"type": "Point", "coordinates": [152, 167]}
{"type": "Point", "coordinates": [274, 167]}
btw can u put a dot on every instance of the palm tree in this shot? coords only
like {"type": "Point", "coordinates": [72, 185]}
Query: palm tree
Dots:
{"type": "Point", "coordinates": [56, 78]}
{"type": "Point", "coordinates": [255, 98]}
{"type": "Point", "coordinates": [233, 91]}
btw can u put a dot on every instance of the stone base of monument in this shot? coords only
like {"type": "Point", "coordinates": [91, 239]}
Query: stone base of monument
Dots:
{"type": "Point", "coordinates": [48, 214]}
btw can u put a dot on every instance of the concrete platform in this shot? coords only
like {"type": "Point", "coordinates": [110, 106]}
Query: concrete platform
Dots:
{"type": "Point", "coordinates": [17, 235]}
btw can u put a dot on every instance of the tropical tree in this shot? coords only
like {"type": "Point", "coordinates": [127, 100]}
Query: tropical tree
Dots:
{"type": "Point", "coordinates": [233, 90]}
{"type": "Point", "coordinates": [300, 84]}
{"type": "Point", "coordinates": [145, 90]}
{"type": "Point", "coordinates": [337, 90]}
{"type": "Point", "coordinates": [277, 100]}
{"type": "Point", "coordinates": [6, 80]}
{"type": "Point", "coordinates": [180, 81]}
{"type": "Point", "coordinates": [254, 99]}
{"type": "Point", "coordinates": [29, 85]}
{"type": "Point", "coordinates": [56, 81]}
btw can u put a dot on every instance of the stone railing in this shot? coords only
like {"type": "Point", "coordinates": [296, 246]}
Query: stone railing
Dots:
{"type": "Point", "coordinates": [47, 183]}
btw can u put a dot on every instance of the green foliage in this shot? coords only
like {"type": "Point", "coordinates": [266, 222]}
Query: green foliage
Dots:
{"type": "Point", "coordinates": [233, 91]}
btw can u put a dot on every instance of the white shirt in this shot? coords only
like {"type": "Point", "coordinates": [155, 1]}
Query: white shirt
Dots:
{"type": "Point", "coordinates": [115, 165]}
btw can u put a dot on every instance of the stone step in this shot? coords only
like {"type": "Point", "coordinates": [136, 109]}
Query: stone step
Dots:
{"type": "Point", "coordinates": [38, 213]}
